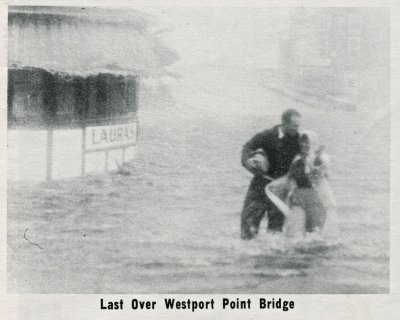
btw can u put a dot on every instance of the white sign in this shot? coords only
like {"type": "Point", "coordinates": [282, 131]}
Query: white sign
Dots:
{"type": "Point", "coordinates": [112, 136]}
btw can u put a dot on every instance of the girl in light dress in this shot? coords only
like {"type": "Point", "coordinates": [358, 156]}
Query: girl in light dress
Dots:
{"type": "Point", "coordinates": [304, 194]}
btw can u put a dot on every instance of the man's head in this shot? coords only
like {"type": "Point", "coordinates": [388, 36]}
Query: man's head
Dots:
{"type": "Point", "coordinates": [291, 119]}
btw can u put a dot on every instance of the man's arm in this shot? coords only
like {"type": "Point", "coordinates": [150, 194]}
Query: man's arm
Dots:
{"type": "Point", "coordinates": [250, 147]}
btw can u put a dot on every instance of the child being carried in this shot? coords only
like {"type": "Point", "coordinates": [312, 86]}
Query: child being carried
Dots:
{"type": "Point", "coordinates": [304, 194]}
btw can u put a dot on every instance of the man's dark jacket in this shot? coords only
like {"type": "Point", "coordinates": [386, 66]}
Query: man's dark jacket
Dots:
{"type": "Point", "coordinates": [279, 151]}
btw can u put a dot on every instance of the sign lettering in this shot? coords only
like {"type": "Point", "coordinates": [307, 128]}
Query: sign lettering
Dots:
{"type": "Point", "coordinates": [112, 136]}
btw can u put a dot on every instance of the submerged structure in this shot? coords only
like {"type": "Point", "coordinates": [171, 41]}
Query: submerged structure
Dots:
{"type": "Point", "coordinates": [73, 88]}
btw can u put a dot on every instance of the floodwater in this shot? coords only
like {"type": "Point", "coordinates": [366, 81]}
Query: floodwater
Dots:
{"type": "Point", "coordinates": [172, 223]}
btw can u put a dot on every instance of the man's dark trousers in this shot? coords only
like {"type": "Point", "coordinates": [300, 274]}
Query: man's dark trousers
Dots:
{"type": "Point", "coordinates": [280, 150]}
{"type": "Point", "coordinates": [255, 205]}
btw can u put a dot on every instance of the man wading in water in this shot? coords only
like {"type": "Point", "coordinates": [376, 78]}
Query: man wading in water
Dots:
{"type": "Point", "coordinates": [279, 145]}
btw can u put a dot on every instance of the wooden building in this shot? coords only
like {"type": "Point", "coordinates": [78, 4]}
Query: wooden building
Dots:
{"type": "Point", "coordinates": [73, 88]}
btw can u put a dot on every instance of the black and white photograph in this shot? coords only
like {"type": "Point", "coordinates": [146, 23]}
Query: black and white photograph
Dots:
{"type": "Point", "coordinates": [198, 150]}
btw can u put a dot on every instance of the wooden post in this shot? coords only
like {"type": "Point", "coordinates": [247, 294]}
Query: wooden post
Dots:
{"type": "Point", "coordinates": [83, 159]}
{"type": "Point", "coordinates": [49, 157]}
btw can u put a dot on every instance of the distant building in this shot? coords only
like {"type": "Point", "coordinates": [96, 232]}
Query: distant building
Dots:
{"type": "Point", "coordinates": [341, 53]}
{"type": "Point", "coordinates": [73, 88]}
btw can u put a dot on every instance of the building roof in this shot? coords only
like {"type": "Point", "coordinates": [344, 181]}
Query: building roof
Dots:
{"type": "Point", "coordinates": [86, 41]}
